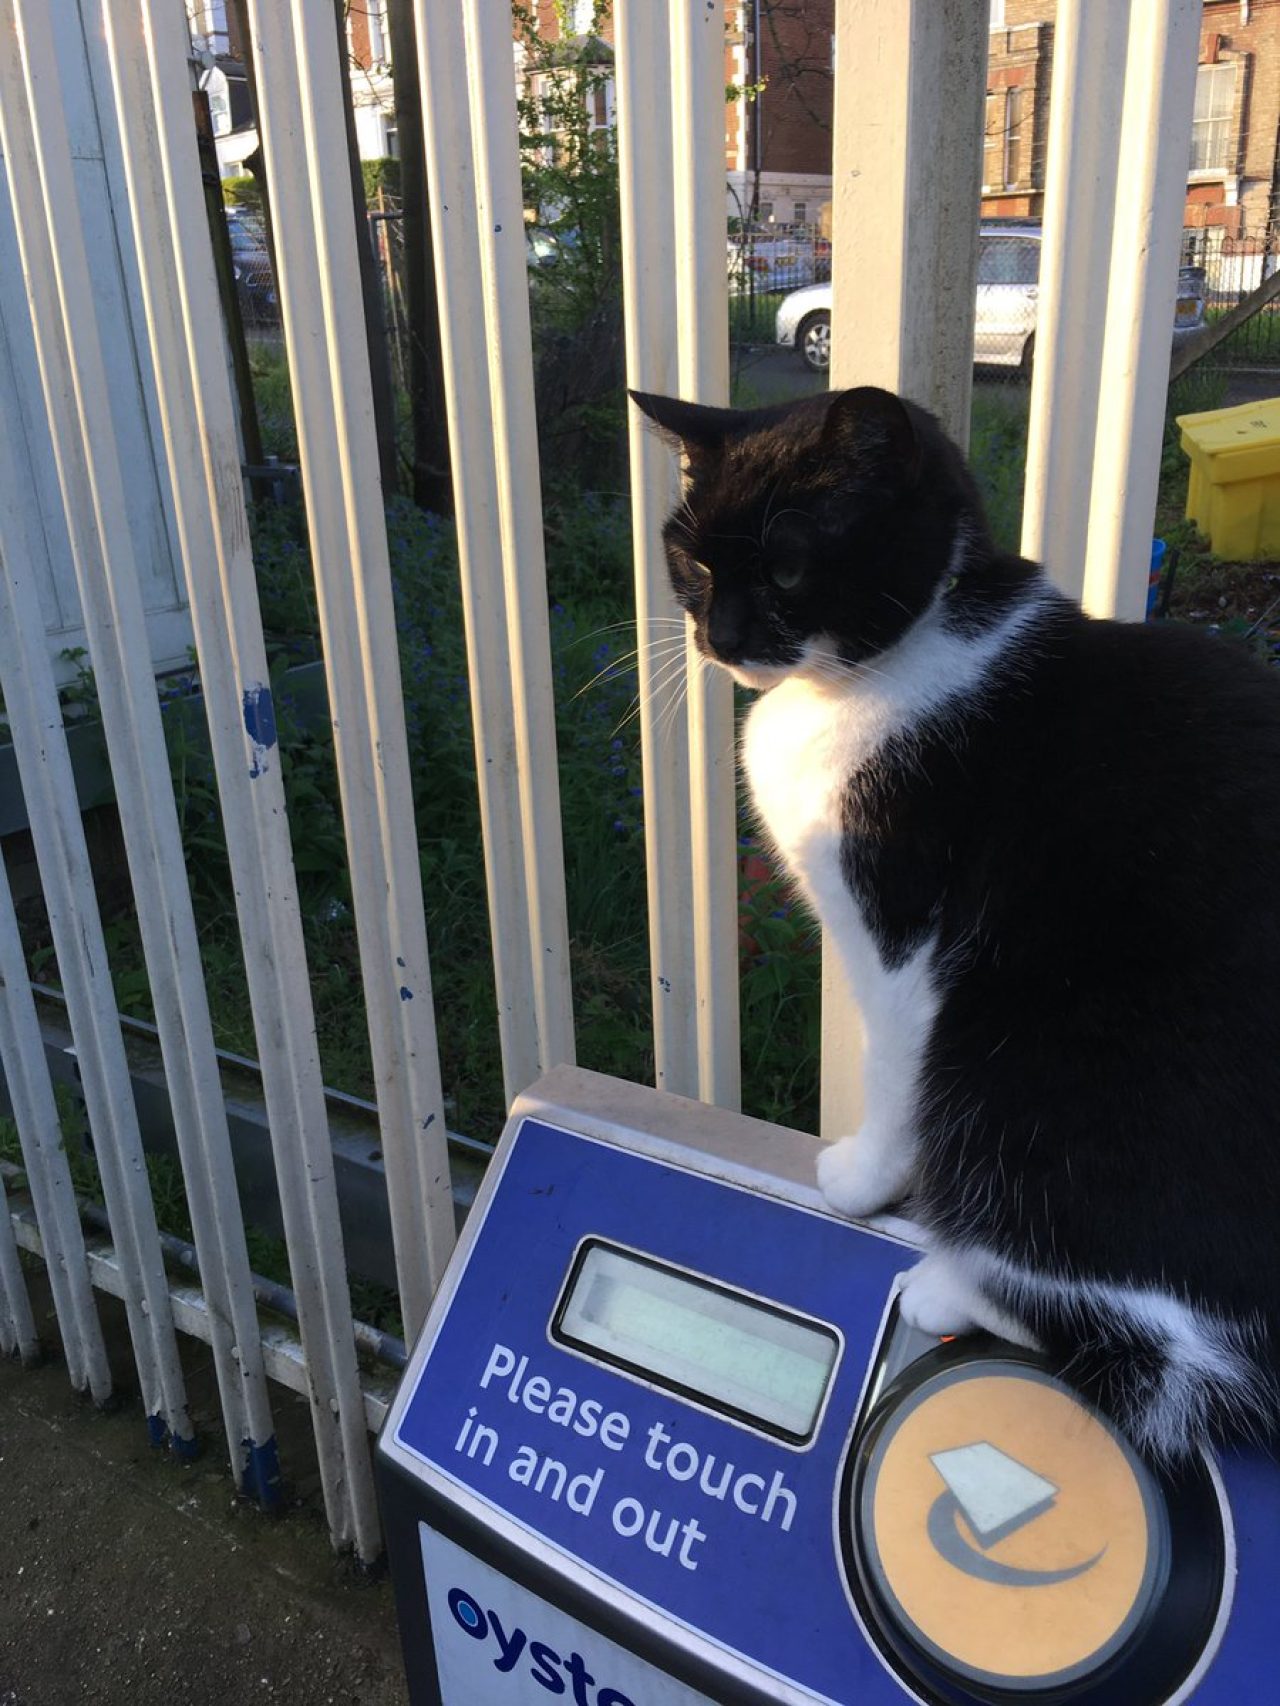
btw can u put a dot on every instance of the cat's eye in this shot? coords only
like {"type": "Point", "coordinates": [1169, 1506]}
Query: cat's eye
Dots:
{"type": "Point", "coordinates": [699, 568]}
{"type": "Point", "coordinates": [785, 575]}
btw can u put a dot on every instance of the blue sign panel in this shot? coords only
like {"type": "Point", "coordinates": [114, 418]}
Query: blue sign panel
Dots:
{"type": "Point", "coordinates": [689, 1510]}
{"type": "Point", "coordinates": [658, 1372]}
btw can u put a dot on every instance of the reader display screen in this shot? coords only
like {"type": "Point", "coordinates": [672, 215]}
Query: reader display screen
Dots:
{"type": "Point", "coordinates": [752, 1360]}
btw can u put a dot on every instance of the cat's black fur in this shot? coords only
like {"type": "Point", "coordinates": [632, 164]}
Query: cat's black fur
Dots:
{"type": "Point", "coordinates": [1093, 839]}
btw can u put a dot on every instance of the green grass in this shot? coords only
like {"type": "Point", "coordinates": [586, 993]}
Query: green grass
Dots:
{"type": "Point", "coordinates": [752, 318]}
{"type": "Point", "coordinates": [998, 456]}
{"type": "Point", "coordinates": [1257, 340]}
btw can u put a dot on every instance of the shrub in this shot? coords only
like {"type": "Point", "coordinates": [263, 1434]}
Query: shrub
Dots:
{"type": "Point", "coordinates": [242, 192]}
{"type": "Point", "coordinates": [381, 175]}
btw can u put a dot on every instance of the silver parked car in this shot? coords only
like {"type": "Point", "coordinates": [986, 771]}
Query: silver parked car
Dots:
{"type": "Point", "coordinates": [1004, 332]}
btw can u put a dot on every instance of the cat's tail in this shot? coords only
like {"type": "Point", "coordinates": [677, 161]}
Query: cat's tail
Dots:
{"type": "Point", "coordinates": [1174, 1376]}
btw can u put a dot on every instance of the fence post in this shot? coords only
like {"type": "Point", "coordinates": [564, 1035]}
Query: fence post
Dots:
{"type": "Point", "coordinates": [44, 1156]}
{"type": "Point", "coordinates": [504, 275]}
{"type": "Point", "coordinates": [17, 1323]}
{"type": "Point", "coordinates": [907, 179]}
{"type": "Point", "coordinates": [1155, 135]}
{"type": "Point", "coordinates": [1082, 168]}
{"type": "Point", "coordinates": [643, 42]}
{"type": "Point", "coordinates": [702, 322]}
{"type": "Point", "coordinates": [56, 271]}
{"type": "Point", "coordinates": [196, 405]}
{"type": "Point", "coordinates": [474, 182]}
{"type": "Point", "coordinates": [303, 141]}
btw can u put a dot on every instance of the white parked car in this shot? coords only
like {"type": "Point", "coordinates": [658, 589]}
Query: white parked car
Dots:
{"type": "Point", "coordinates": [1004, 333]}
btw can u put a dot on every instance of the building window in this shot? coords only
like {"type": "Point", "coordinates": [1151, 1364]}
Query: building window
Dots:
{"type": "Point", "coordinates": [581, 17]}
{"type": "Point", "coordinates": [764, 213]}
{"type": "Point", "coordinates": [392, 135]}
{"type": "Point", "coordinates": [1012, 135]}
{"type": "Point", "coordinates": [219, 113]}
{"type": "Point", "coordinates": [993, 143]}
{"type": "Point", "coordinates": [375, 12]}
{"type": "Point", "coordinates": [800, 213]}
{"type": "Point", "coordinates": [600, 104]}
{"type": "Point", "coordinates": [1211, 126]}
{"type": "Point", "coordinates": [997, 14]}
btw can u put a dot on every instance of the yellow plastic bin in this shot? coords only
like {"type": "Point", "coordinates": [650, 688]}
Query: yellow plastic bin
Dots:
{"type": "Point", "coordinates": [1234, 494]}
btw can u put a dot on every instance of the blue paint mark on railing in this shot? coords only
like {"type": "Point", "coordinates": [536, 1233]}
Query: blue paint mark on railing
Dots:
{"type": "Point", "coordinates": [260, 1475]}
{"type": "Point", "coordinates": [159, 1433]}
{"type": "Point", "coordinates": [260, 725]}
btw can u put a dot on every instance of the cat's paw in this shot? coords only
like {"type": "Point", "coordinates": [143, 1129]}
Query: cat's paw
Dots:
{"type": "Point", "coordinates": [863, 1174]}
{"type": "Point", "coordinates": [934, 1300]}
{"type": "Point", "coordinates": [940, 1298]}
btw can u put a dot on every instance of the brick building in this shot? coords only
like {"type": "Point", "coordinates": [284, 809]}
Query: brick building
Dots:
{"type": "Point", "coordinates": [1019, 66]}
{"type": "Point", "coordinates": [372, 93]}
{"type": "Point", "coordinates": [1233, 196]}
{"type": "Point", "coordinates": [1233, 184]}
{"type": "Point", "coordinates": [778, 138]}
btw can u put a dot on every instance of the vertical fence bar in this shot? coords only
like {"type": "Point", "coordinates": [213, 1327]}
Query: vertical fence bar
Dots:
{"type": "Point", "coordinates": [1082, 168]}
{"type": "Point", "coordinates": [102, 546]}
{"type": "Point", "coordinates": [446, 128]}
{"type": "Point", "coordinates": [906, 185]}
{"type": "Point", "coordinates": [44, 763]}
{"type": "Point", "coordinates": [1155, 138]}
{"type": "Point", "coordinates": [303, 136]}
{"type": "Point", "coordinates": [17, 1324]}
{"type": "Point", "coordinates": [643, 45]}
{"type": "Point", "coordinates": [504, 272]}
{"type": "Point", "coordinates": [702, 298]}
{"type": "Point", "coordinates": [44, 1157]}
{"type": "Point", "coordinates": [51, 797]}
{"type": "Point", "coordinates": [148, 49]}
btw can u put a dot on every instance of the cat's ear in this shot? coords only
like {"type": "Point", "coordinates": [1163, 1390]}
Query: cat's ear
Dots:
{"type": "Point", "coordinates": [874, 426]}
{"type": "Point", "coordinates": [695, 428]}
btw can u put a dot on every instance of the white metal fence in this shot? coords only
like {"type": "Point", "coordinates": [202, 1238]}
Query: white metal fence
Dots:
{"type": "Point", "coordinates": [911, 137]}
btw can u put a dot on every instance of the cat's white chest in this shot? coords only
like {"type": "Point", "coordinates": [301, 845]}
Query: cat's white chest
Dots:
{"type": "Point", "coordinates": [801, 746]}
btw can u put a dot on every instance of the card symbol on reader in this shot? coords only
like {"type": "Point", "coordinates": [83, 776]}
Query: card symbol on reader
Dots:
{"type": "Point", "coordinates": [997, 1496]}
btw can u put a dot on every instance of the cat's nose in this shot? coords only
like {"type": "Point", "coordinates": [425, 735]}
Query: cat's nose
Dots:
{"type": "Point", "coordinates": [727, 634]}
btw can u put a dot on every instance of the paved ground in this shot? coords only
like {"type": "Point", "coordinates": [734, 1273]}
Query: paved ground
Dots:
{"type": "Point", "coordinates": [768, 374]}
{"type": "Point", "coordinates": [126, 1580]}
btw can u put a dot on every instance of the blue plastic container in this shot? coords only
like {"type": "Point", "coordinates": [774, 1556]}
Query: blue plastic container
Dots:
{"type": "Point", "coordinates": [1158, 549]}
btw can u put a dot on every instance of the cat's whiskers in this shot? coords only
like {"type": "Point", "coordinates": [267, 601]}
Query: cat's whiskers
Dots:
{"type": "Point", "coordinates": [892, 600]}
{"type": "Point", "coordinates": [661, 647]}
{"type": "Point", "coordinates": [668, 672]}
{"type": "Point", "coordinates": [668, 718]}
{"type": "Point", "coordinates": [630, 622]}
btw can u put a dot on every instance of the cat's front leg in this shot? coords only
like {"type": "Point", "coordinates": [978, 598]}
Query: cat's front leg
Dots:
{"type": "Point", "coordinates": [865, 1173]}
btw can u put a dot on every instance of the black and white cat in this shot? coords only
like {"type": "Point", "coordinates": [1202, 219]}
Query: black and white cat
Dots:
{"type": "Point", "coordinates": [1047, 850]}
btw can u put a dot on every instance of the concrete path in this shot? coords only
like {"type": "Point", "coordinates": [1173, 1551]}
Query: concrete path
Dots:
{"type": "Point", "coordinates": [127, 1580]}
